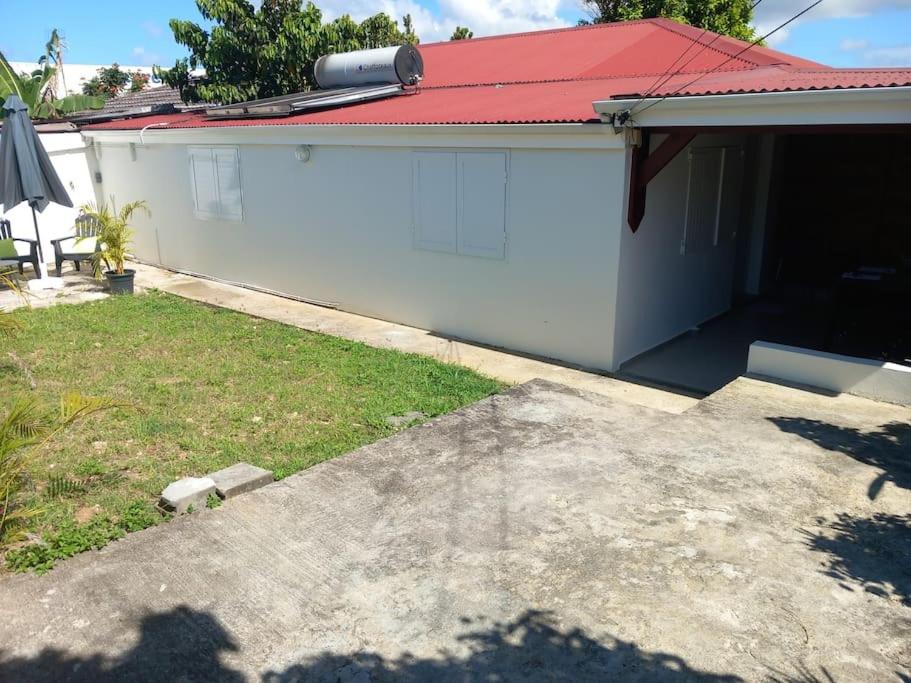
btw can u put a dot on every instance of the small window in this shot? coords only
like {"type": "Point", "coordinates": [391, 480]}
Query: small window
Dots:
{"type": "Point", "coordinates": [459, 202]}
{"type": "Point", "coordinates": [215, 181]}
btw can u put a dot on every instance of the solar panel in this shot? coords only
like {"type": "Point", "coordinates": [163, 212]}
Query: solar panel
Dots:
{"type": "Point", "coordinates": [285, 105]}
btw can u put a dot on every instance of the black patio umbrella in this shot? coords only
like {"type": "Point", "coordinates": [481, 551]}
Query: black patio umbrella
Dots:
{"type": "Point", "coordinates": [26, 172]}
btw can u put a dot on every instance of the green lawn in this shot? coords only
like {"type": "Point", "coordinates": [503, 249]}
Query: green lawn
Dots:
{"type": "Point", "coordinates": [211, 387]}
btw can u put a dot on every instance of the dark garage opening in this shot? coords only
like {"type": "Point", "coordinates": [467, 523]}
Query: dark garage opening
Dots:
{"type": "Point", "coordinates": [835, 263]}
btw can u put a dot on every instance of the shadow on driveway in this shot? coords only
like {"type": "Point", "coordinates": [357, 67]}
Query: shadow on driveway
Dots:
{"type": "Point", "coordinates": [888, 448]}
{"type": "Point", "coordinates": [870, 553]}
{"type": "Point", "coordinates": [186, 645]}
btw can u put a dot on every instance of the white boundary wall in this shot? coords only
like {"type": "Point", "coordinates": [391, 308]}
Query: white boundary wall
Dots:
{"type": "Point", "coordinates": [831, 372]}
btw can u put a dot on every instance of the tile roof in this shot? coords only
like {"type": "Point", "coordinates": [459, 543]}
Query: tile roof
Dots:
{"type": "Point", "coordinates": [554, 76]}
{"type": "Point", "coordinates": [148, 97]}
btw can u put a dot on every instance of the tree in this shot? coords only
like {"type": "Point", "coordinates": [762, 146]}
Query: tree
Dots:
{"type": "Point", "coordinates": [252, 52]}
{"type": "Point", "coordinates": [37, 89]}
{"type": "Point", "coordinates": [462, 33]}
{"type": "Point", "coordinates": [138, 81]}
{"type": "Point", "coordinates": [109, 82]}
{"type": "Point", "coordinates": [730, 17]}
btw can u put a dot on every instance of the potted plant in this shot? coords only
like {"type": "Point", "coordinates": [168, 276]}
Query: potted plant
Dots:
{"type": "Point", "coordinates": [114, 237]}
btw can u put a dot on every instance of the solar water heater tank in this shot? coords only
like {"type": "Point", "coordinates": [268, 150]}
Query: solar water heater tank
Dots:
{"type": "Point", "coordinates": [401, 65]}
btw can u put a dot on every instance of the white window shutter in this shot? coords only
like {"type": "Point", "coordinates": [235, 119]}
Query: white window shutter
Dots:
{"type": "Point", "coordinates": [227, 169]}
{"type": "Point", "coordinates": [482, 204]}
{"type": "Point", "coordinates": [434, 201]}
{"type": "Point", "coordinates": [203, 183]}
{"type": "Point", "coordinates": [703, 199]}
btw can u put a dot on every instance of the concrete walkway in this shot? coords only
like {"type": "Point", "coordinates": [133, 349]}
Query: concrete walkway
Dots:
{"type": "Point", "coordinates": [543, 534]}
{"type": "Point", "coordinates": [507, 367]}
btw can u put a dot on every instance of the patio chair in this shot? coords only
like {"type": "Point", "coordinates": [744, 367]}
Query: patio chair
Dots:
{"type": "Point", "coordinates": [78, 247]}
{"type": "Point", "coordinates": [8, 253]}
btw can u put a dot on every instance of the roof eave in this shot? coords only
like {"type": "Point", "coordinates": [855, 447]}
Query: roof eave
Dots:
{"type": "Point", "coordinates": [846, 106]}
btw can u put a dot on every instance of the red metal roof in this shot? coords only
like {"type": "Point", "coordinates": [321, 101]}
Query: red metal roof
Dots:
{"type": "Point", "coordinates": [554, 76]}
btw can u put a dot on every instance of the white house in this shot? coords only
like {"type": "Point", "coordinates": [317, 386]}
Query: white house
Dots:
{"type": "Point", "coordinates": [583, 194]}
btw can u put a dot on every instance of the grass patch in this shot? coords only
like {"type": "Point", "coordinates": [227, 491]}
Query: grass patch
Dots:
{"type": "Point", "coordinates": [213, 387]}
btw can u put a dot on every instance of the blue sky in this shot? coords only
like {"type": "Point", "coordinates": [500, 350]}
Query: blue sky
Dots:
{"type": "Point", "coordinates": [838, 32]}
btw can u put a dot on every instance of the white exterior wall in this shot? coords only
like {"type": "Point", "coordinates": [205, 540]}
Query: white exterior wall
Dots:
{"type": "Point", "coordinates": [661, 292]}
{"type": "Point", "coordinates": [339, 229]}
{"type": "Point", "coordinates": [74, 162]}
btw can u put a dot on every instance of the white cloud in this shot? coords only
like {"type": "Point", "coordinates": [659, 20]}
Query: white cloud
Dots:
{"type": "Point", "coordinates": [484, 17]}
{"type": "Point", "coordinates": [899, 55]}
{"type": "Point", "coordinates": [853, 45]}
{"type": "Point", "coordinates": [772, 13]}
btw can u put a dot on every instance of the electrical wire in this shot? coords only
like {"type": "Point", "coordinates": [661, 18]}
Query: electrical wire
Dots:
{"type": "Point", "coordinates": [669, 73]}
{"type": "Point", "coordinates": [735, 56]}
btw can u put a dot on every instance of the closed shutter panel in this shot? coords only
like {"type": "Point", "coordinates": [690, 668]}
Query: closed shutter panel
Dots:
{"type": "Point", "coordinates": [435, 201]}
{"type": "Point", "coordinates": [227, 168]}
{"type": "Point", "coordinates": [703, 199]}
{"type": "Point", "coordinates": [482, 204]}
{"type": "Point", "coordinates": [203, 182]}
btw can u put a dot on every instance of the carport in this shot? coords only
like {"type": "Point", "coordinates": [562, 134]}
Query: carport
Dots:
{"type": "Point", "coordinates": [792, 212]}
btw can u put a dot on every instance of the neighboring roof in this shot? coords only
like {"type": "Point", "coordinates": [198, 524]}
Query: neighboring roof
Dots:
{"type": "Point", "coordinates": [162, 95]}
{"type": "Point", "coordinates": [554, 76]}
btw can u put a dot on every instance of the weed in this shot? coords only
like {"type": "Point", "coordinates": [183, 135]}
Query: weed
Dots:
{"type": "Point", "coordinates": [72, 538]}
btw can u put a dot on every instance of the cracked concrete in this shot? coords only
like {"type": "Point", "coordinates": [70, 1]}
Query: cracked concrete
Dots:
{"type": "Point", "coordinates": [542, 534]}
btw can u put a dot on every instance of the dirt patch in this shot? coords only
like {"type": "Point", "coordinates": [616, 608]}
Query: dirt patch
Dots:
{"type": "Point", "coordinates": [86, 514]}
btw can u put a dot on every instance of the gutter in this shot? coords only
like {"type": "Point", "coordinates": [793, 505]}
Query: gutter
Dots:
{"type": "Point", "coordinates": [846, 106]}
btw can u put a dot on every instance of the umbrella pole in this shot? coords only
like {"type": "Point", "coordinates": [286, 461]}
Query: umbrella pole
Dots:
{"type": "Point", "coordinates": [40, 272]}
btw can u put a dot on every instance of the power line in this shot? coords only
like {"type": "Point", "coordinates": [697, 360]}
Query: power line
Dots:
{"type": "Point", "coordinates": [668, 75]}
{"type": "Point", "coordinates": [735, 56]}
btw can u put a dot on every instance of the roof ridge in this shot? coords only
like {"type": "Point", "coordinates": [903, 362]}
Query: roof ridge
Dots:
{"type": "Point", "coordinates": [585, 79]}
{"type": "Point", "coordinates": [538, 32]}
{"type": "Point", "coordinates": [679, 29]}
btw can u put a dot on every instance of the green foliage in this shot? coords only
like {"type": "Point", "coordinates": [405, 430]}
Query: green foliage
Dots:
{"type": "Point", "coordinates": [729, 17]}
{"type": "Point", "coordinates": [60, 485]}
{"type": "Point", "coordinates": [90, 467]}
{"type": "Point", "coordinates": [253, 52]}
{"type": "Point", "coordinates": [138, 81]}
{"type": "Point", "coordinates": [213, 501]}
{"type": "Point", "coordinates": [37, 89]}
{"type": "Point", "coordinates": [25, 425]}
{"type": "Point", "coordinates": [109, 82]}
{"type": "Point", "coordinates": [462, 33]}
{"type": "Point", "coordinates": [114, 234]}
{"type": "Point", "coordinates": [72, 538]}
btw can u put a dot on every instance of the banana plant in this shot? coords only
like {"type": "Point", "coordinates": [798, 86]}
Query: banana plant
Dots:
{"type": "Point", "coordinates": [40, 99]}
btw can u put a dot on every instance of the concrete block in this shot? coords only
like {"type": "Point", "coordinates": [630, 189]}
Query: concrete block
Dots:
{"type": "Point", "coordinates": [180, 495]}
{"type": "Point", "coordinates": [240, 478]}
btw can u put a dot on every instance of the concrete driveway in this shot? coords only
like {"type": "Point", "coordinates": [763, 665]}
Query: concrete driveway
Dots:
{"type": "Point", "coordinates": [544, 534]}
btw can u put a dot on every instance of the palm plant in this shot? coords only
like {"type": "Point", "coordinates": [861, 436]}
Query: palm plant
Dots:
{"type": "Point", "coordinates": [24, 426]}
{"type": "Point", "coordinates": [37, 89]}
{"type": "Point", "coordinates": [114, 234]}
